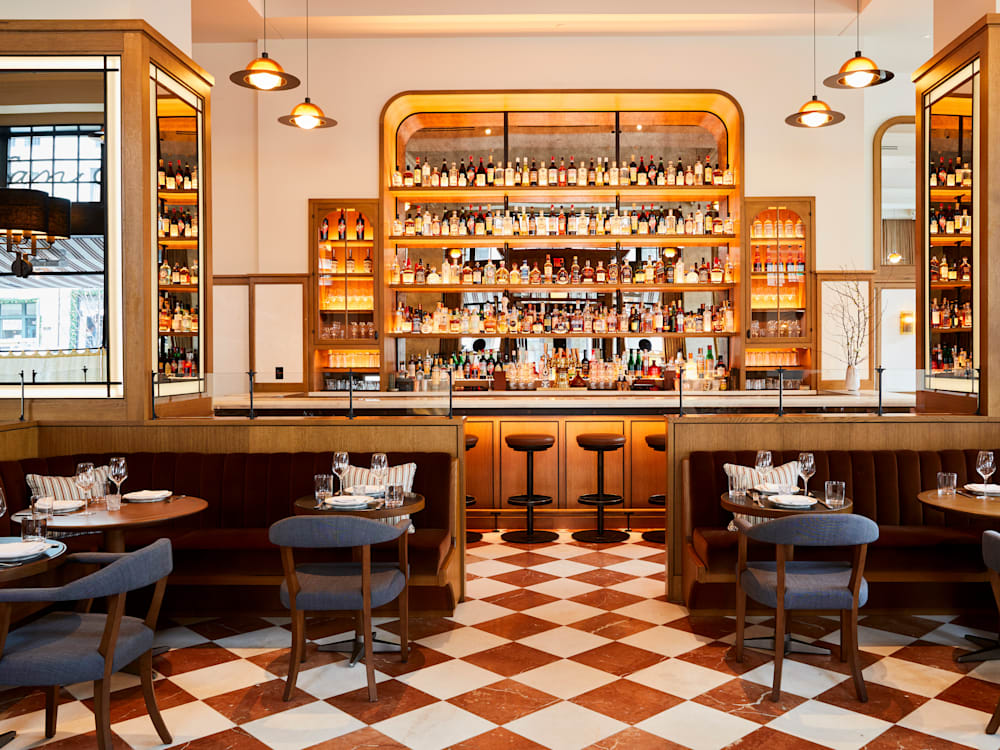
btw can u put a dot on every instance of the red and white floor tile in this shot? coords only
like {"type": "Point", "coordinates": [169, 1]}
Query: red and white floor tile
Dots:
{"type": "Point", "coordinates": [562, 646]}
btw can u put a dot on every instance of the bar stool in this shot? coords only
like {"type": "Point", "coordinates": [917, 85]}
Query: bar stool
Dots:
{"type": "Point", "coordinates": [659, 444]}
{"type": "Point", "coordinates": [529, 444]}
{"type": "Point", "coordinates": [471, 536]}
{"type": "Point", "coordinates": [600, 443]}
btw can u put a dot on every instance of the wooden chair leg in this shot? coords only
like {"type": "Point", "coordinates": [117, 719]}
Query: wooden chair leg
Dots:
{"type": "Point", "coordinates": [102, 713]}
{"type": "Point", "coordinates": [302, 640]}
{"type": "Point", "coordinates": [741, 618]}
{"type": "Point", "coordinates": [366, 625]}
{"type": "Point", "coordinates": [779, 650]}
{"type": "Point", "coordinates": [149, 696]}
{"type": "Point", "coordinates": [845, 634]}
{"type": "Point", "coordinates": [404, 624]}
{"type": "Point", "coordinates": [51, 709]}
{"type": "Point", "coordinates": [295, 655]}
{"type": "Point", "coordinates": [994, 724]}
{"type": "Point", "coordinates": [855, 659]}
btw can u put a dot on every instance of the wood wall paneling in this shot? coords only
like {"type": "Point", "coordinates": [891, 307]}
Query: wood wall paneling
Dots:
{"type": "Point", "coordinates": [479, 463]}
{"type": "Point", "coordinates": [581, 465]}
{"type": "Point", "coordinates": [547, 463]}
{"type": "Point", "coordinates": [648, 469]}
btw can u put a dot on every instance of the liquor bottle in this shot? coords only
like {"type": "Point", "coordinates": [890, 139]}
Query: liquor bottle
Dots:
{"type": "Point", "coordinates": [490, 171]}
{"type": "Point", "coordinates": [574, 272]}
{"type": "Point", "coordinates": [480, 173]}
{"type": "Point", "coordinates": [543, 175]}
{"type": "Point", "coordinates": [161, 176]}
{"type": "Point", "coordinates": [164, 276]}
{"type": "Point", "coordinates": [965, 270]}
{"type": "Point", "coordinates": [547, 270]}
{"type": "Point", "coordinates": [561, 178]}
{"type": "Point", "coordinates": [600, 274]}
{"type": "Point", "coordinates": [368, 261]}
{"type": "Point", "coordinates": [587, 273]}
{"type": "Point", "coordinates": [633, 172]}
{"type": "Point", "coordinates": [186, 185]}
{"type": "Point", "coordinates": [533, 173]}
{"type": "Point", "coordinates": [178, 176]}
{"type": "Point", "coordinates": [349, 263]}
{"type": "Point", "coordinates": [359, 227]}
{"type": "Point", "coordinates": [171, 181]}
{"type": "Point", "coordinates": [341, 227]}
{"type": "Point", "coordinates": [510, 175]}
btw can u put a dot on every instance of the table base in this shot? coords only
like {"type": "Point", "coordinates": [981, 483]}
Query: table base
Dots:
{"type": "Point", "coordinates": [792, 645]}
{"type": "Point", "coordinates": [988, 651]}
{"type": "Point", "coordinates": [356, 647]}
{"type": "Point", "coordinates": [7, 737]}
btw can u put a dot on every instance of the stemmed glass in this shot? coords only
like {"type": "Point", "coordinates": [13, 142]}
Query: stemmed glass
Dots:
{"type": "Point", "coordinates": [807, 467]}
{"type": "Point", "coordinates": [763, 463]}
{"type": "Point", "coordinates": [985, 465]}
{"type": "Point", "coordinates": [85, 481]}
{"type": "Point", "coordinates": [380, 470]}
{"type": "Point", "coordinates": [323, 488]}
{"type": "Point", "coordinates": [341, 460]}
{"type": "Point", "coordinates": [118, 472]}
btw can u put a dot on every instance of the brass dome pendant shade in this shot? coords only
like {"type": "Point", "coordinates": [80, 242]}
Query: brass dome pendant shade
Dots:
{"type": "Point", "coordinates": [263, 73]}
{"type": "Point", "coordinates": [859, 72]}
{"type": "Point", "coordinates": [305, 115]}
{"type": "Point", "coordinates": [815, 113]}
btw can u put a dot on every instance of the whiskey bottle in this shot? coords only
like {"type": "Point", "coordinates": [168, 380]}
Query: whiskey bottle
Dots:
{"type": "Point", "coordinates": [341, 227]}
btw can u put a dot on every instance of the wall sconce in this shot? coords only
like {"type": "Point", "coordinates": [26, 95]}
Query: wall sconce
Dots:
{"type": "Point", "coordinates": [906, 322]}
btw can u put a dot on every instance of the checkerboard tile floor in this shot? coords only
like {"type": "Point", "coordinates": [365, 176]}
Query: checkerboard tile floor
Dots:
{"type": "Point", "coordinates": [563, 646]}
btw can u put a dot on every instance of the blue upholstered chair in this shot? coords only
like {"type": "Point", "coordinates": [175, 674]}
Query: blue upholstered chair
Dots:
{"type": "Point", "coordinates": [786, 584]}
{"type": "Point", "coordinates": [991, 556]}
{"type": "Point", "coordinates": [341, 586]}
{"type": "Point", "coordinates": [64, 648]}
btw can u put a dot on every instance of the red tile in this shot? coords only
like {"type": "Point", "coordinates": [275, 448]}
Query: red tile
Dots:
{"type": "Point", "coordinates": [129, 704]}
{"type": "Point", "coordinates": [503, 701]}
{"type": "Point", "coordinates": [257, 701]}
{"type": "Point", "coordinates": [276, 662]}
{"type": "Point", "coordinates": [527, 559]}
{"type": "Point", "coordinates": [978, 621]}
{"type": "Point", "coordinates": [935, 655]}
{"type": "Point", "coordinates": [602, 577]}
{"type": "Point", "coordinates": [524, 577]}
{"type": "Point", "coordinates": [915, 627]}
{"type": "Point", "coordinates": [227, 626]}
{"type": "Point", "coordinates": [974, 693]}
{"type": "Point", "coordinates": [516, 626]}
{"type": "Point", "coordinates": [423, 627]}
{"type": "Point", "coordinates": [832, 660]}
{"type": "Point", "coordinates": [419, 657]}
{"type": "Point", "coordinates": [886, 703]}
{"type": "Point", "coordinates": [608, 599]}
{"type": "Point", "coordinates": [498, 739]}
{"type": "Point", "coordinates": [25, 700]}
{"type": "Point", "coordinates": [361, 739]}
{"type": "Point", "coordinates": [898, 738]}
{"type": "Point", "coordinates": [766, 738]}
{"type": "Point", "coordinates": [721, 657]}
{"type": "Point", "coordinates": [627, 701]}
{"type": "Point", "coordinates": [180, 660]}
{"type": "Point", "coordinates": [394, 698]}
{"type": "Point", "coordinates": [599, 559]}
{"type": "Point", "coordinates": [520, 599]}
{"type": "Point", "coordinates": [88, 741]}
{"type": "Point", "coordinates": [634, 739]}
{"type": "Point", "coordinates": [510, 659]}
{"type": "Point", "coordinates": [618, 658]}
{"type": "Point", "coordinates": [748, 700]}
{"type": "Point", "coordinates": [324, 627]}
{"type": "Point", "coordinates": [711, 627]}
{"type": "Point", "coordinates": [810, 626]}
{"type": "Point", "coordinates": [612, 625]}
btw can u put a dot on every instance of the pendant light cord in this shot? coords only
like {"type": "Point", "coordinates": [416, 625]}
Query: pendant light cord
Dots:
{"type": "Point", "coordinates": [307, 49]}
{"type": "Point", "coordinates": [265, 25]}
{"type": "Point", "coordinates": [857, 27]}
{"type": "Point", "coordinates": [814, 49]}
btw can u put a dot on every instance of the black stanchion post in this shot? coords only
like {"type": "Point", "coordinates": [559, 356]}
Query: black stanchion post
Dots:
{"type": "Point", "coordinates": [251, 374]}
{"type": "Point", "coordinates": [350, 392]}
{"type": "Point", "coordinates": [979, 390]}
{"type": "Point", "coordinates": [85, 373]}
{"type": "Point", "coordinates": [450, 406]}
{"type": "Point", "coordinates": [781, 391]}
{"type": "Point", "coordinates": [680, 396]}
{"type": "Point", "coordinates": [879, 370]}
{"type": "Point", "coordinates": [152, 394]}
{"type": "Point", "coordinates": [21, 418]}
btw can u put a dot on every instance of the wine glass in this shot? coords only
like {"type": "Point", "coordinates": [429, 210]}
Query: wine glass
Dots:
{"type": "Point", "coordinates": [118, 472]}
{"type": "Point", "coordinates": [380, 470]}
{"type": "Point", "coordinates": [341, 460]}
{"type": "Point", "coordinates": [763, 462]}
{"type": "Point", "coordinates": [985, 465]}
{"type": "Point", "coordinates": [3, 502]}
{"type": "Point", "coordinates": [85, 481]}
{"type": "Point", "coordinates": [807, 467]}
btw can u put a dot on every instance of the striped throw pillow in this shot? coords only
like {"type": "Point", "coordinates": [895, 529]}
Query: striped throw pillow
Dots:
{"type": "Point", "coordinates": [401, 474]}
{"type": "Point", "coordinates": [64, 488]}
{"type": "Point", "coordinates": [748, 477]}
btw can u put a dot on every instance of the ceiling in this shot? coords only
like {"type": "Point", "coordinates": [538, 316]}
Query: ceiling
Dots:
{"type": "Point", "coordinates": [241, 20]}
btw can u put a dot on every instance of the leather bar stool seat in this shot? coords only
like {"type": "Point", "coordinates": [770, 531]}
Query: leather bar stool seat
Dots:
{"type": "Point", "coordinates": [600, 443]}
{"type": "Point", "coordinates": [658, 442]}
{"type": "Point", "coordinates": [471, 536]}
{"type": "Point", "coordinates": [529, 444]}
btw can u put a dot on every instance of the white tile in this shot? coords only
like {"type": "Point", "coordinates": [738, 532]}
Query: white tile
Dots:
{"type": "Point", "coordinates": [800, 679]}
{"type": "Point", "coordinates": [987, 670]}
{"type": "Point", "coordinates": [638, 568]}
{"type": "Point", "coordinates": [473, 611]}
{"type": "Point", "coordinates": [753, 630]}
{"type": "Point", "coordinates": [564, 641]}
{"type": "Point", "coordinates": [698, 727]}
{"type": "Point", "coordinates": [119, 681]}
{"type": "Point", "coordinates": [872, 639]}
{"type": "Point", "coordinates": [654, 611]}
{"type": "Point", "coordinates": [302, 727]}
{"type": "Point", "coordinates": [257, 641]}
{"type": "Point", "coordinates": [910, 676]}
{"type": "Point", "coordinates": [433, 727]}
{"type": "Point", "coordinates": [563, 588]}
{"type": "Point", "coordinates": [334, 679]}
{"type": "Point", "coordinates": [830, 726]}
{"type": "Point", "coordinates": [221, 678]}
{"type": "Point", "coordinates": [645, 587]}
{"type": "Point", "coordinates": [952, 722]}
{"type": "Point", "coordinates": [278, 620]}
{"type": "Point", "coordinates": [74, 718]}
{"type": "Point", "coordinates": [564, 611]}
{"type": "Point", "coordinates": [462, 641]}
{"type": "Point", "coordinates": [493, 551]}
{"type": "Point", "coordinates": [635, 551]}
{"type": "Point", "coordinates": [954, 635]}
{"type": "Point", "coordinates": [565, 679]}
{"type": "Point", "coordinates": [565, 726]}
{"type": "Point", "coordinates": [179, 637]}
{"type": "Point", "coordinates": [680, 678]}
{"type": "Point", "coordinates": [483, 588]}
{"type": "Point", "coordinates": [450, 678]}
{"type": "Point", "coordinates": [186, 723]}
{"type": "Point", "coordinates": [490, 568]}
{"type": "Point", "coordinates": [563, 568]}
{"type": "Point", "coordinates": [666, 640]}
{"type": "Point", "coordinates": [562, 551]}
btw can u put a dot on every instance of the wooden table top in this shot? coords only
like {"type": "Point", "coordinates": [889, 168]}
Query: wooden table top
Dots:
{"type": "Point", "coordinates": [412, 502]}
{"type": "Point", "coordinates": [749, 507]}
{"type": "Point", "coordinates": [131, 514]}
{"type": "Point", "coordinates": [974, 506]}
{"type": "Point", "coordinates": [34, 567]}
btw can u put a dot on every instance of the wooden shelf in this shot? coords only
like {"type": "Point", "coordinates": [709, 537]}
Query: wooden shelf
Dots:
{"type": "Point", "coordinates": [188, 197]}
{"type": "Point", "coordinates": [360, 370]}
{"type": "Point", "coordinates": [178, 333]}
{"type": "Point", "coordinates": [769, 368]}
{"type": "Point", "coordinates": [180, 288]}
{"type": "Point", "coordinates": [951, 330]}
{"type": "Point", "coordinates": [782, 241]}
{"type": "Point", "coordinates": [344, 275]}
{"type": "Point", "coordinates": [346, 309]}
{"type": "Point", "coordinates": [777, 342]}
{"type": "Point", "coordinates": [177, 242]}
{"type": "Point", "coordinates": [575, 195]}
{"type": "Point", "coordinates": [776, 309]}
{"type": "Point", "coordinates": [570, 335]}
{"type": "Point", "coordinates": [568, 241]}
{"type": "Point", "coordinates": [322, 343]}
{"type": "Point", "coordinates": [529, 288]}
{"type": "Point", "coordinates": [950, 239]}
{"type": "Point", "coordinates": [766, 274]}
{"type": "Point", "coordinates": [346, 243]}
{"type": "Point", "coordinates": [950, 193]}
{"type": "Point", "coordinates": [951, 285]}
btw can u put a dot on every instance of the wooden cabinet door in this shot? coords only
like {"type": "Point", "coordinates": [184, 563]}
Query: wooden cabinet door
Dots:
{"type": "Point", "coordinates": [513, 463]}
{"type": "Point", "coordinates": [649, 467]}
{"type": "Point", "coordinates": [581, 465]}
{"type": "Point", "coordinates": [479, 474]}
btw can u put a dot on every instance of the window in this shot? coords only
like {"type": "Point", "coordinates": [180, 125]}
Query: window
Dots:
{"type": "Point", "coordinates": [18, 324]}
{"type": "Point", "coordinates": [61, 160]}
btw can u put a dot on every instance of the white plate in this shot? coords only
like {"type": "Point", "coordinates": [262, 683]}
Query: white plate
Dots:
{"type": "Point", "coordinates": [12, 552]}
{"type": "Point", "coordinates": [58, 507]}
{"type": "Point", "coordinates": [773, 488]}
{"type": "Point", "coordinates": [792, 501]}
{"type": "Point", "coordinates": [147, 496]}
{"type": "Point", "coordinates": [983, 489]}
{"type": "Point", "coordinates": [347, 501]}
{"type": "Point", "coordinates": [370, 490]}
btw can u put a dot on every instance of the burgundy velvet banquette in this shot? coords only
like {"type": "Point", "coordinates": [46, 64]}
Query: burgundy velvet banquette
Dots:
{"type": "Point", "coordinates": [924, 559]}
{"type": "Point", "coordinates": [227, 544]}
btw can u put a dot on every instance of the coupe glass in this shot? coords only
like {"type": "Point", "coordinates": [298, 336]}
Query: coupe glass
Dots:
{"type": "Point", "coordinates": [985, 465]}
{"type": "Point", "coordinates": [763, 463]}
{"type": "Point", "coordinates": [807, 467]}
{"type": "Point", "coordinates": [341, 460]}
{"type": "Point", "coordinates": [85, 481]}
{"type": "Point", "coordinates": [118, 472]}
{"type": "Point", "coordinates": [380, 470]}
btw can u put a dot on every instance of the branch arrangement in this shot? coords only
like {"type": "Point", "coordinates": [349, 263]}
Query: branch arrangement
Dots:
{"type": "Point", "coordinates": [853, 314]}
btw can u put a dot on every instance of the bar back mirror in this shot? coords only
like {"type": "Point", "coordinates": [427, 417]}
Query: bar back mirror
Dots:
{"type": "Point", "coordinates": [60, 244]}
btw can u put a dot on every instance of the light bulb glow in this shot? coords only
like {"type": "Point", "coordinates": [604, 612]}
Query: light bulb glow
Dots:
{"type": "Point", "coordinates": [894, 257]}
{"type": "Point", "coordinates": [265, 81]}
{"type": "Point", "coordinates": [307, 116]}
{"type": "Point", "coordinates": [815, 113]}
{"type": "Point", "coordinates": [306, 122]}
{"type": "Point", "coordinates": [859, 79]}
{"type": "Point", "coordinates": [264, 74]}
{"type": "Point", "coordinates": [815, 119]}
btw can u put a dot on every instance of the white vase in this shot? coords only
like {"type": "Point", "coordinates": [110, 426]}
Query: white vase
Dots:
{"type": "Point", "coordinates": [852, 383]}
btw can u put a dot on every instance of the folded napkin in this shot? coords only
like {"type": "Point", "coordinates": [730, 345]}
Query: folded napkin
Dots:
{"type": "Point", "coordinates": [983, 489]}
{"type": "Point", "coordinates": [148, 495]}
{"type": "Point", "coordinates": [366, 489]}
{"type": "Point", "coordinates": [48, 503]}
{"type": "Point", "coordinates": [792, 500]}
{"type": "Point", "coordinates": [17, 550]}
{"type": "Point", "coordinates": [346, 501]}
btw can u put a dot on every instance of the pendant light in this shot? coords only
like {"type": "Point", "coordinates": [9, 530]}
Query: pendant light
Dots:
{"type": "Point", "coordinates": [306, 115]}
{"type": "Point", "coordinates": [264, 74]}
{"type": "Point", "coordinates": [859, 72]}
{"type": "Point", "coordinates": [815, 113]}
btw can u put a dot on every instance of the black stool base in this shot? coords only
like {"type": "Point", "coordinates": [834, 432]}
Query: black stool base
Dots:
{"type": "Point", "coordinates": [473, 536]}
{"type": "Point", "coordinates": [660, 500]}
{"type": "Point", "coordinates": [656, 537]}
{"type": "Point", "coordinates": [592, 536]}
{"type": "Point", "coordinates": [535, 537]}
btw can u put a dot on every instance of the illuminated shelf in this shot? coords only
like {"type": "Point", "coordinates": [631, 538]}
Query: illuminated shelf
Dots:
{"type": "Point", "coordinates": [352, 276]}
{"type": "Point", "coordinates": [181, 288]}
{"type": "Point", "coordinates": [346, 243]}
{"type": "Point", "coordinates": [566, 194]}
{"type": "Point", "coordinates": [782, 241]}
{"type": "Point", "coordinates": [951, 285]}
{"type": "Point", "coordinates": [950, 239]}
{"type": "Point", "coordinates": [568, 241]}
{"type": "Point", "coordinates": [322, 343]}
{"type": "Point", "coordinates": [951, 193]}
{"type": "Point", "coordinates": [951, 330]}
{"type": "Point", "coordinates": [772, 342]}
{"type": "Point", "coordinates": [187, 197]}
{"type": "Point", "coordinates": [569, 335]}
{"type": "Point", "coordinates": [178, 333]}
{"type": "Point", "coordinates": [178, 242]}
{"type": "Point", "coordinates": [360, 370]}
{"type": "Point", "coordinates": [528, 288]}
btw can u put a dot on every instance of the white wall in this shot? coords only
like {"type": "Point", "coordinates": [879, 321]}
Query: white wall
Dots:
{"type": "Point", "coordinates": [898, 350]}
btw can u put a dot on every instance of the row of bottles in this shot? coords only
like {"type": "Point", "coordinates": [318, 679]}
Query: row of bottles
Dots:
{"type": "Point", "coordinates": [177, 362]}
{"type": "Point", "coordinates": [169, 177]}
{"type": "Point", "coordinates": [771, 358]}
{"type": "Point", "coordinates": [176, 316]}
{"type": "Point", "coordinates": [334, 298]}
{"type": "Point", "coordinates": [178, 274]}
{"type": "Point", "coordinates": [359, 228]}
{"type": "Point", "coordinates": [770, 229]}
{"type": "Point", "coordinates": [173, 222]}
{"type": "Point", "coordinates": [942, 272]}
{"type": "Point", "coordinates": [953, 174]}
{"type": "Point", "coordinates": [952, 360]}
{"type": "Point", "coordinates": [492, 222]}
{"type": "Point", "coordinates": [664, 270]}
{"type": "Point", "coordinates": [330, 263]}
{"type": "Point", "coordinates": [945, 220]}
{"type": "Point", "coordinates": [502, 319]}
{"type": "Point", "coordinates": [342, 359]}
{"type": "Point", "coordinates": [790, 260]}
{"type": "Point", "coordinates": [597, 173]}
{"type": "Point", "coordinates": [951, 314]}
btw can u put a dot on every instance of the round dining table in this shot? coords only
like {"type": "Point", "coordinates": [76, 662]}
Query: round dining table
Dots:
{"type": "Point", "coordinates": [114, 523]}
{"type": "Point", "coordinates": [963, 501]}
